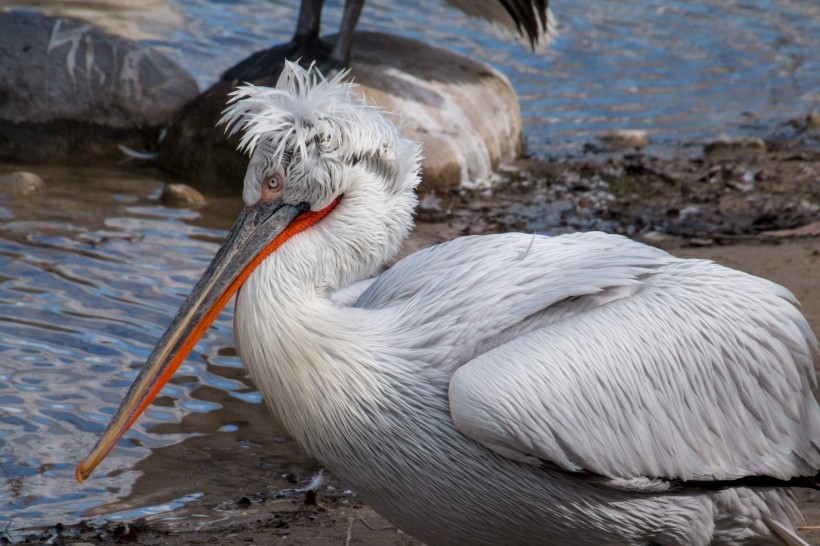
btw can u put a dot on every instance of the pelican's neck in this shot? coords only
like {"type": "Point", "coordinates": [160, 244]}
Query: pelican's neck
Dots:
{"type": "Point", "coordinates": [307, 355]}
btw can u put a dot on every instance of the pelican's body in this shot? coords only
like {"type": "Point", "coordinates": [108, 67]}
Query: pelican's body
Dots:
{"type": "Point", "coordinates": [506, 389]}
{"type": "Point", "coordinates": [364, 388]}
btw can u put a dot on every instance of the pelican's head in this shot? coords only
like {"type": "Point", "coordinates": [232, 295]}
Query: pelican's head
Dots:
{"type": "Point", "coordinates": [324, 167]}
{"type": "Point", "coordinates": [306, 136]}
{"type": "Point", "coordinates": [312, 141]}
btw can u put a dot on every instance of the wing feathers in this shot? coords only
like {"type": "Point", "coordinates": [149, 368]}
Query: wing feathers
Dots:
{"type": "Point", "coordinates": [599, 354]}
{"type": "Point", "coordinates": [703, 374]}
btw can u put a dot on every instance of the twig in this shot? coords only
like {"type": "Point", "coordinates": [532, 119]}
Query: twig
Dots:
{"type": "Point", "coordinates": [349, 531]}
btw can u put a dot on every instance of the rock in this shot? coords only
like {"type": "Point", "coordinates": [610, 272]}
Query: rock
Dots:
{"type": "Point", "coordinates": [657, 238]}
{"type": "Point", "coordinates": [20, 183]}
{"type": "Point", "coordinates": [465, 113]}
{"type": "Point", "coordinates": [623, 139]}
{"type": "Point", "coordinates": [721, 145]}
{"type": "Point", "coordinates": [70, 91]}
{"type": "Point", "coordinates": [813, 121]}
{"type": "Point", "coordinates": [181, 195]}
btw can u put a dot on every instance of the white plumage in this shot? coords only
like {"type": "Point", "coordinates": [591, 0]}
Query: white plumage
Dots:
{"type": "Point", "coordinates": [587, 353]}
{"type": "Point", "coordinates": [511, 389]}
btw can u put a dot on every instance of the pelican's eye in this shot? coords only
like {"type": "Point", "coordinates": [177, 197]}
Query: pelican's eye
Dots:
{"type": "Point", "coordinates": [272, 188]}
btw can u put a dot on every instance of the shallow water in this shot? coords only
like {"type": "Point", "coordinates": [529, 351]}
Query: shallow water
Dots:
{"type": "Point", "coordinates": [686, 71]}
{"type": "Point", "coordinates": [92, 270]}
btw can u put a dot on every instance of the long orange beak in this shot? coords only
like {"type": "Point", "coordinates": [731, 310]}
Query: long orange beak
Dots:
{"type": "Point", "coordinates": [258, 232]}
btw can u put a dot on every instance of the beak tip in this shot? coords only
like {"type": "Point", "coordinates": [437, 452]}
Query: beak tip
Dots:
{"type": "Point", "coordinates": [81, 473]}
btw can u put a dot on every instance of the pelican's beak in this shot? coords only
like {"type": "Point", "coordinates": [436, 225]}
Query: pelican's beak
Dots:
{"type": "Point", "coordinates": [258, 232]}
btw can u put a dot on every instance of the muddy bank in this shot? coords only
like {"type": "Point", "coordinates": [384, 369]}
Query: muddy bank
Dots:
{"type": "Point", "coordinates": [725, 197]}
{"type": "Point", "coordinates": [709, 207]}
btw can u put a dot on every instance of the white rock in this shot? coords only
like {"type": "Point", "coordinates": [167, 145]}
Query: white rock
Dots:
{"type": "Point", "coordinates": [621, 139]}
{"type": "Point", "coordinates": [181, 195]}
{"type": "Point", "coordinates": [20, 183]}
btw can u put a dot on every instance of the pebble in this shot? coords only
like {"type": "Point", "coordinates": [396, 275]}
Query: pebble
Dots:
{"type": "Point", "coordinates": [181, 195]}
{"type": "Point", "coordinates": [735, 144]}
{"type": "Point", "coordinates": [658, 238]}
{"type": "Point", "coordinates": [701, 242]}
{"type": "Point", "coordinates": [20, 183]}
{"type": "Point", "coordinates": [621, 139]}
{"type": "Point", "coordinates": [813, 121]}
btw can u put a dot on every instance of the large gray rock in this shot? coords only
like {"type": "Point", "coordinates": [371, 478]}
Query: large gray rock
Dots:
{"type": "Point", "coordinates": [465, 113]}
{"type": "Point", "coordinates": [69, 91]}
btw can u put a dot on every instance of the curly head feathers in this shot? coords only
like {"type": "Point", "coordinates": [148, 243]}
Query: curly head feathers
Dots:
{"type": "Point", "coordinates": [312, 127]}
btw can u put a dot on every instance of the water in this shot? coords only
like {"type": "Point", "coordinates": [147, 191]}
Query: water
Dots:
{"type": "Point", "coordinates": [92, 270]}
{"type": "Point", "coordinates": [686, 71]}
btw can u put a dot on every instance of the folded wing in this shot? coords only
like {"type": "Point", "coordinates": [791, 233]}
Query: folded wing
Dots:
{"type": "Point", "coordinates": [701, 373]}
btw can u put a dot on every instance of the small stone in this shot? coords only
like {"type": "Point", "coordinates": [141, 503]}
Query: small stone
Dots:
{"type": "Point", "coordinates": [735, 144]}
{"type": "Point", "coordinates": [244, 502]}
{"type": "Point", "coordinates": [622, 139]}
{"type": "Point", "coordinates": [181, 195]}
{"type": "Point", "coordinates": [813, 121]}
{"type": "Point", "coordinates": [657, 238]}
{"type": "Point", "coordinates": [701, 242]}
{"type": "Point", "coordinates": [20, 183]}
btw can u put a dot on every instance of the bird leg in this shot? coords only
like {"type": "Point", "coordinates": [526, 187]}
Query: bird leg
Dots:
{"type": "Point", "coordinates": [310, 21]}
{"type": "Point", "coordinates": [305, 46]}
{"type": "Point", "coordinates": [344, 41]}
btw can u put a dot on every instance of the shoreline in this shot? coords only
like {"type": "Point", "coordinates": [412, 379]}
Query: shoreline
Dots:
{"type": "Point", "coordinates": [755, 228]}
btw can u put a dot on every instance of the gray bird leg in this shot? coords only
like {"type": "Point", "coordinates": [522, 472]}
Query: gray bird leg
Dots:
{"type": "Point", "coordinates": [310, 20]}
{"type": "Point", "coordinates": [341, 50]}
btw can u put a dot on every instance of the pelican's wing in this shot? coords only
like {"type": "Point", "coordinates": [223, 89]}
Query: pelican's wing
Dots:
{"type": "Point", "coordinates": [688, 371]}
{"type": "Point", "coordinates": [466, 296]}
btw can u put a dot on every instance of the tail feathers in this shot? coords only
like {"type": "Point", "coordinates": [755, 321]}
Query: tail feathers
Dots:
{"type": "Point", "coordinates": [786, 535]}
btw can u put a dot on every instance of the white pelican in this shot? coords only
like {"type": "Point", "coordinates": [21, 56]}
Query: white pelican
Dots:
{"type": "Point", "coordinates": [531, 18]}
{"type": "Point", "coordinates": [503, 389]}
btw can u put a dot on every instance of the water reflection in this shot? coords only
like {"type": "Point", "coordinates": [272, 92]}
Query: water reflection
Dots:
{"type": "Point", "coordinates": [91, 272]}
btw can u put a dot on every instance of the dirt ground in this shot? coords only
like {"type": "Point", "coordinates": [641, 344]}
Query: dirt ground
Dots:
{"type": "Point", "coordinates": [753, 210]}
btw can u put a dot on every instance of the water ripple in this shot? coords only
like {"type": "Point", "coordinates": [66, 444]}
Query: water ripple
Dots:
{"type": "Point", "coordinates": [673, 68]}
{"type": "Point", "coordinates": [81, 304]}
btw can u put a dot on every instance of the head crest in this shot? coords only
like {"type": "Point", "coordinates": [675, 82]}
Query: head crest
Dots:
{"type": "Point", "coordinates": [304, 107]}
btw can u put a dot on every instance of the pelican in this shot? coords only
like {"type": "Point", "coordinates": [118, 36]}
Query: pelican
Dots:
{"type": "Point", "coordinates": [531, 18]}
{"type": "Point", "coordinates": [583, 389]}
